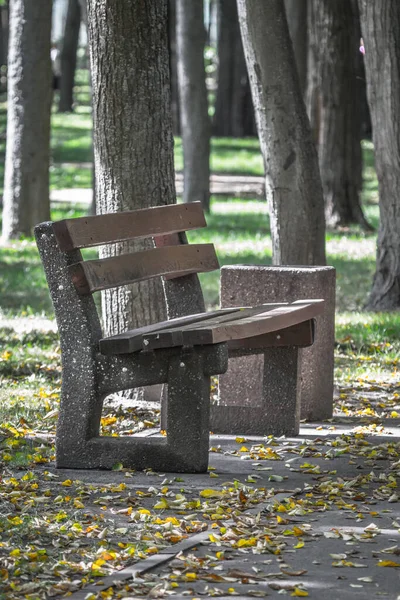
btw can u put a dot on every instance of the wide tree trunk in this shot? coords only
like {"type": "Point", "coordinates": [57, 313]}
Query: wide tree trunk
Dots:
{"type": "Point", "coordinates": [233, 99]}
{"type": "Point", "coordinates": [68, 56]}
{"type": "Point", "coordinates": [293, 185]}
{"type": "Point", "coordinates": [133, 144]}
{"type": "Point", "coordinates": [335, 88]}
{"type": "Point", "coordinates": [195, 122]}
{"type": "Point", "coordinates": [26, 183]}
{"type": "Point", "coordinates": [380, 24]}
{"type": "Point", "coordinates": [296, 13]}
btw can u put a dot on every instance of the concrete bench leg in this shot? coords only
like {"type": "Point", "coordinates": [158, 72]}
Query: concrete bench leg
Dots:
{"type": "Point", "coordinates": [278, 410]}
{"type": "Point", "coordinates": [244, 384]}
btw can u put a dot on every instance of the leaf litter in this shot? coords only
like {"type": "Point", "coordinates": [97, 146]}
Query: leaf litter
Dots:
{"type": "Point", "coordinates": [59, 535]}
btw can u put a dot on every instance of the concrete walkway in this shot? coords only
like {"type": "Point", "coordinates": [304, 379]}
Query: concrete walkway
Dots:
{"type": "Point", "coordinates": [221, 185]}
{"type": "Point", "coordinates": [315, 516]}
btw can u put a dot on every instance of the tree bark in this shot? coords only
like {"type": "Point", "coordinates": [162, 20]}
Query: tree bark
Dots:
{"type": "Point", "coordinates": [133, 144]}
{"type": "Point", "coordinates": [233, 98]}
{"type": "Point", "coordinates": [380, 24]}
{"type": "Point", "coordinates": [195, 122]}
{"type": "Point", "coordinates": [68, 56]}
{"type": "Point", "coordinates": [173, 67]}
{"type": "Point", "coordinates": [335, 88]}
{"type": "Point", "coordinates": [296, 13]}
{"type": "Point", "coordinates": [26, 182]}
{"type": "Point", "coordinates": [2, 42]}
{"type": "Point", "coordinates": [293, 185]}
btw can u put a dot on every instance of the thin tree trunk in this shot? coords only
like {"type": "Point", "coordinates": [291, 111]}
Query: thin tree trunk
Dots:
{"type": "Point", "coordinates": [4, 24]}
{"type": "Point", "coordinates": [293, 185]}
{"type": "Point", "coordinates": [26, 184]}
{"type": "Point", "coordinates": [232, 98]}
{"type": "Point", "coordinates": [195, 123]}
{"type": "Point", "coordinates": [380, 24]}
{"type": "Point", "coordinates": [132, 134]}
{"type": "Point", "coordinates": [68, 56]}
{"type": "Point", "coordinates": [296, 13]}
{"type": "Point", "coordinates": [2, 42]}
{"type": "Point", "coordinates": [173, 66]}
{"type": "Point", "coordinates": [336, 91]}
{"type": "Point", "coordinates": [84, 14]}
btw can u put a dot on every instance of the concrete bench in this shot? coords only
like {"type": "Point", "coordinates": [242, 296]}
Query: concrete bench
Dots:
{"type": "Point", "coordinates": [182, 352]}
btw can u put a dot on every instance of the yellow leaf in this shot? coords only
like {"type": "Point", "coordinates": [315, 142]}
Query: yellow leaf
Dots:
{"type": "Point", "coordinates": [388, 563]}
{"type": "Point", "coordinates": [66, 483]}
{"type": "Point", "coordinates": [163, 503]}
{"type": "Point", "coordinates": [191, 576]}
{"type": "Point", "coordinates": [78, 504]}
{"type": "Point", "coordinates": [246, 543]}
{"type": "Point", "coordinates": [299, 593]}
{"type": "Point", "coordinates": [299, 545]}
{"type": "Point", "coordinates": [243, 449]}
{"type": "Point", "coordinates": [207, 493]}
{"type": "Point", "coordinates": [213, 475]}
{"type": "Point", "coordinates": [240, 440]}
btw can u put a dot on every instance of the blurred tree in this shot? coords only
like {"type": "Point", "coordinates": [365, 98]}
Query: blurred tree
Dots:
{"type": "Point", "coordinates": [26, 185]}
{"type": "Point", "coordinates": [380, 24]}
{"type": "Point", "coordinates": [296, 13]}
{"type": "Point", "coordinates": [234, 112]}
{"type": "Point", "coordinates": [293, 184]}
{"type": "Point", "coordinates": [195, 122]}
{"type": "Point", "coordinates": [334, 106]}
{"type": "Point", "coordinates": [69, 55]}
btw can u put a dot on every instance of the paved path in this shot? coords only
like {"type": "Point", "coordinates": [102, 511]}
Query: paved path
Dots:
{"type": "Point", "coordinates": [222, 185]}
{"type": "Point", "coordinates": [314, 520]}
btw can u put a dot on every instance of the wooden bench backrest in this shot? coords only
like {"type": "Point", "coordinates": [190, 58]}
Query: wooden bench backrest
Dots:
{"type": "Point", "coordinates": [169, 258]}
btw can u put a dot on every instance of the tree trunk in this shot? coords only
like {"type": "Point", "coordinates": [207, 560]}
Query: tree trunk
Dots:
{"type": "Point", "coordinates": [233, 98]}
{"type": "Point", "coordinates": [68, 56]}
{"type": "Point", "coordinates": [2, 43]}
{"type": "Point", "coordinates": [26, 182]}
{"type": "Point", "coordinates": [195, 123]}
{"type": "Point", "coordinates": [296, 13]}
{"type": "Point", "coordinates": [380, 24]}
{"type": "Point", "coordinates": [335, 89]}
{"type": "Point", "coordinates": [133, 144]}
{"type": "Point", "coordinates": [293, 185]}
{"type": "Point", "coordinates": [84, 15]}
{"type": "Point", "coordinates": [173, 67]}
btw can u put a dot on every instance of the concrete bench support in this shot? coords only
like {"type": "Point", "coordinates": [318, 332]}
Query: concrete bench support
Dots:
{"type": "Point", "coordinates": [254, 392]}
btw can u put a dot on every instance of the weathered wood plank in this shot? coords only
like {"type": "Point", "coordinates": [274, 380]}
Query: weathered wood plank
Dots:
{"type": "Point", "coordinates": [173, 336]}
{"type": "Point", "coordinates": [94, 275]}
{"type": "Point", "coordinates": [90, 231]}
{"type": "Point", "coordinates": [258, 323]}
{"type": "Point", "coordinates": [301, 335]}
{"type": "Point", "coordinates": [132, 340]}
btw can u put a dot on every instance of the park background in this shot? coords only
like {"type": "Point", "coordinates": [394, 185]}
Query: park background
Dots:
{"type": "Point", "coordinates": [367, 342]}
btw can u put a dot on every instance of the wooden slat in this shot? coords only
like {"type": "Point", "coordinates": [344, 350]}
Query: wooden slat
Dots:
{"type": "Point", "coordinates": [94, 275]}
{"type": "Point", "coordinates": [85, 232]}
{"type": "Point", "coordinates": [301, 335]}
{"type": "Point", "coordinates": [174, 335]}
{"type": "Point", "coordinates": [278, 318]}
{"type": "Point", "coordinates": [132, 340]}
